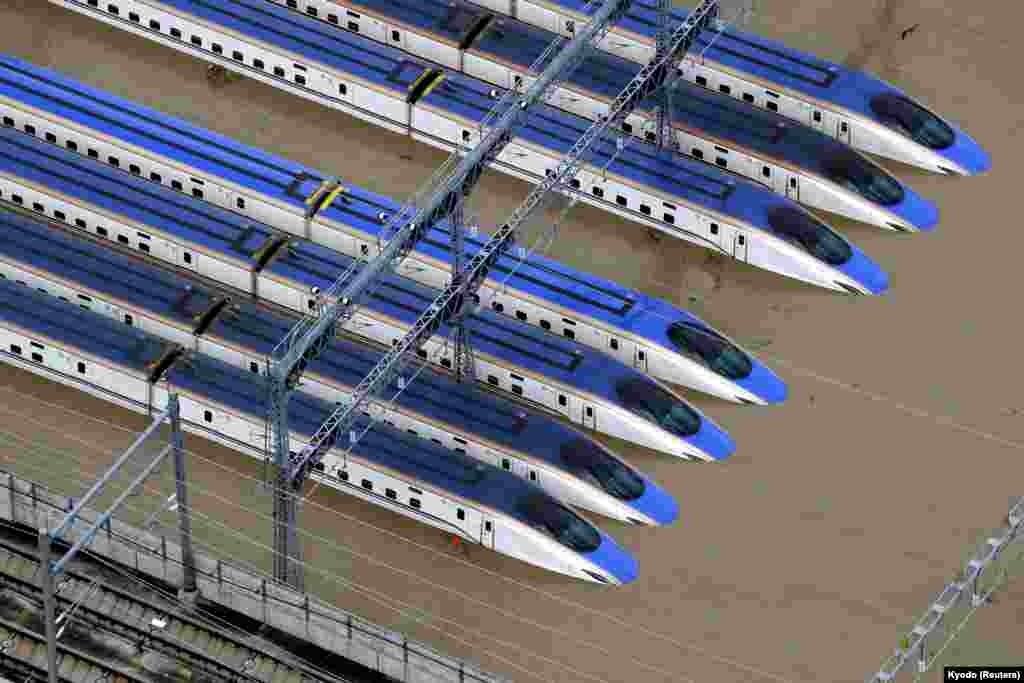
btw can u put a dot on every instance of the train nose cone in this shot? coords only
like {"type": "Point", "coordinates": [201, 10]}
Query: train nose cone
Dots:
{"type": "Point", "coordinates": [615, 560]}
{"type": "Point", "coordinates": [968, 155]}
{"type": "Point", "coordinates": [765, 384]}
{"type": "Point", "coordinates": [866, 272]}
{"type": "Point", "coordinates": [656, 504]}
{"type": "Point", "coordinates": [918, 211]}
{"type": "Point", "coordinates": [713, 440]}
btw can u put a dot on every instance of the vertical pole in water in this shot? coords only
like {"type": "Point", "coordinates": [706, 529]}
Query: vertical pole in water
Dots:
{"type": "Point", "coordinates": [49, 608]}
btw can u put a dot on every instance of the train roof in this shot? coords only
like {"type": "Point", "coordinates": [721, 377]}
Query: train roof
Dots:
{"type": "Point", "coordinates": [101, 269]}
{"type": "Point", "coordinates": [458, 94]}
{"type": "Point", "coordinates": [103, 338]}
{"type": "Point", "coordinates": [419, 459]}
{"type": "Point", "coordinates": [170, 137]}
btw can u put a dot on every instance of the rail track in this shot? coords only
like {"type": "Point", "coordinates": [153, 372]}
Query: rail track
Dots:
{"type": "Point", "coordinates": [149, 626]}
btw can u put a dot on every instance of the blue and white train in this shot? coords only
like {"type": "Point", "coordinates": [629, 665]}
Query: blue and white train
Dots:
{"type": "Point", "coordinates": [852, 106]}
{"type": "Point", "coordinates": [586, 387]}
{"type": "Point", "coordinates": [651, 335]}
{"type": "Point", "coordinates": [798, 162]}
{"type": "Point", "coordinates": [413, 477]}
{"type": "Point", "coordinates": [383, 86]}
{"type": "Point", "coordinates": [560, 460]}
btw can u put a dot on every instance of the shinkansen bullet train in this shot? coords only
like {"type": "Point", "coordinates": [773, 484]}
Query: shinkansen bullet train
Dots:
{"type": "Point", "coordinates": [558, 459]}
{"type": "Point", "coordinates": [795, 161]}
{"type": "Point", "coordinates": [410, 476]}
{"type": "Point", "coordinates": [523, 363]}
{"type": "Point", "coordinates": [649, 334]}
{"type": "Point", "coordinates": [854, 107]}
{"type": "Point", "coordinates": [382, 85]}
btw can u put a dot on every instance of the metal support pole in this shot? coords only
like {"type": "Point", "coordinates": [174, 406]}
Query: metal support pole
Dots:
{"type": "Point", "coordinates": [49, 605]}
{"type": "Point", "coordinates": [188, 583]}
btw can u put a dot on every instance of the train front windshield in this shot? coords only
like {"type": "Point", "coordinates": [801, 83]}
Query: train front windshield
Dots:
{"type": "Point", "coordinates": [916, 121]}
{"type": "Point", "coordinates": [719, 354]}
{"type": "Point", "coordinates": [817, 238]}
{"type": "Point", "coordinates": [649, 400]}
{"type": "Point", "coordinates": [857, 174]}
{"type": "Point", "coordinates": [612, 475]}
{"type": "Point", "coordinates": [563, 524]}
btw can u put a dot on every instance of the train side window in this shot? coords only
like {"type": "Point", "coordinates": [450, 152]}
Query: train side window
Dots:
{"type": "Point", "coordinates": [747, 97]}
{"type": "Point", "coordinates": [766, 171]}
{"type": "Point", "coordinates": [669, 218]}
{"type": "Point", "coordinates": [129, 320]}
{"type": "Point", "coordinates": [51, 138]}
{"type": "Point", "coordinates": [176, 184]}
{"type": "Point", "coordinates": [517, 390]}
{"type": "Point", "coordinates": [533, 475]}
{"type": "Point", "coordinates": [144, 248]}
{"type": "Point", "coordinates": [300, 79]}
{"type": "Point", "coordinates": [741, 239]}
{"type": "Point", "coordinates": [134, 169]}
{"type": "Point", "coordinates": [15, 349]}
{"type": "Point", "coordinates": [724, 89]}
{"type": "Point", "coordinates": [8, 121]}
{"type": "Point", "coordinates": [353, 26]}
{"type": "Point", "coordinates": [460, 513]}
{"type": "Point", "coordinates": [278, 71]}
{"type": "Point", "coordinates": [197, 193]}
{"type": "Point", "coordinates": [590, 412]}
{"type": "Point", "coordinates": [491, 379]}
{"type": "Point", "coordinates": [415, 502]}
{"type": "Point", "coordinates": [114, 161]}
{"type": "Point", "coordinates": [817, 117]}
{"type": "Point", "coordinates": [156, 177]}
{"type": "Point", "coordinates": [391, 493]}
{"type": "Point", "coordinates": [505, 464]}
{"type": "Point", "coordinates": [598, 192]}
{"type": "Point", "coordinates": [627, 127]}
{"type": "Point", "coordinates": [93, 154]}
{"type": "Point", "coordinates": [575, 183]}
{"type": "Point", "coordinates": [714, 228]}
{"type": "Point", "coordinates": [621, 200]}
{"type": "Point", "coordinates": [721, 161]}
{"type": "Point", "coordinates": [545, 325]}
{"type": "Point", "coordinates": [101, 231]}
{"type": "Point", "coordinates": [258, 63]}
{"type": "Point", "coordinates": [311, 11]}
{"type": "Point", "coordinates": [343, 475]}
{"type": "Point", "coordinates": [569, 334]}
{"type": "Point", "coordinates": [446, 363]}
{"type": "Point", "coordinates": [197, 41]}
{"type": "Point", "coordinates": [81, 368]}
{"type": "Point", "coordinates": [422, 353]}
{"type": "Point", "coordinates": [218, 48]}
{"type": "Point", "coordinates": [175, 33]}
{"type": "Point", "coordinates": [254, 366]}
{"type": "Point", "coordinates": [396, 36]}
{"type": "Point", "coordinates": [186, 257]}
{"type": "Point", "coordinates": [701, 80]}
{"type": "Point", "coordinates": [59, 215]}
{"type": "Point", "coordinates": [113, 9]}
{"type": "Point", "coordinates": [844, 127]}
{"type": "Point", "coordinates": [488, 526]}
{"type": "Point", "coordinates": [498, 306]}
{"type": "Point", "coordinates": [17, 199]}
{"type": "Point", "coordinates": [697, 153]}
{"type": "Point", "coordinates": [30, 129]}
{"type": "Point", "coordinates": [773, 106]}
{"type": "Point", "coordinates": [154, 24]}
{"type": "Point", "coordinates": [240, 203]}
{"type": "Point", "coordinates": [342, 89]}
{"type": "Point", "coordinates": [208, 416]}
{"type": "Point", "coordinates": [80, 223]}
{"type": "Point", "coordinates": [562, 400]}
{"type": "Point", "coordinates": [792, 182]}
{"type": "Point", "coordinates": [38, 207]}
{"type": "Point", "coordinates": [520, 315]}
{"type": "Point", "coordinates": [367, 484]}
{"type": "Point", "coordinates": [614, 343]}
{"type": "Point", "coordinates": [645, 210]}
{"type": "Point", "coordinates": [333, 18]}
{"type": "Point", "coordinates": [293, 4]}
{"type": "Point", "coordinates": [465, 136]}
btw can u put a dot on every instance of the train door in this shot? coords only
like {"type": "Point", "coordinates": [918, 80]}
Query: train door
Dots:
{"type": "Point", "coordinates": [640, 358]}
{"type": "Point", "coordinates": [792, 187]}
{"type": "Point", "coordinates": [739, 248]}
{"type": "Point", "coordinates": [817, 119]}
{"type": "Point", "coordinates": [843, 131]}
{"type": "Point", "coordinates": [589, 416]}
{"type": "Point", "coordinates": [487, 532]}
